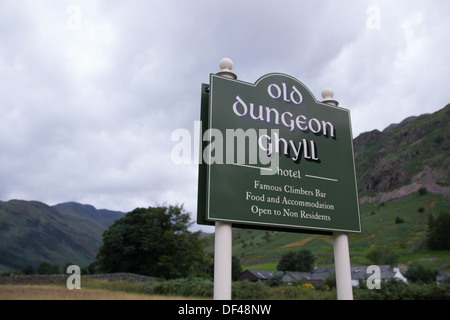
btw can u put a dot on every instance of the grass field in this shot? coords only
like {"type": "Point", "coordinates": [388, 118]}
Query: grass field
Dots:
{"type": "Point", "coordinates": [57, 292]}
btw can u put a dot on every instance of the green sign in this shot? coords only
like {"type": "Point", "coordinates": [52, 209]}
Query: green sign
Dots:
{"type": "Point", "coordinates": [275, 158]}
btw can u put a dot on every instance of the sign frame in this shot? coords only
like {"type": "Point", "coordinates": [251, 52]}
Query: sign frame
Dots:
{"type": "Point", "coordinates": [280, 91]}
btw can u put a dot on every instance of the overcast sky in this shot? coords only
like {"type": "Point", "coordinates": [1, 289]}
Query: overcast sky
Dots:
{"type": "Point", "coordinates": [91, 91]}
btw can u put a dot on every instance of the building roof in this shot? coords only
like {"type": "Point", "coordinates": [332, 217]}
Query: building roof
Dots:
{"type": "Point", "coordinates": [320, 274]}
{"type": "Point", "coordinates": [359, 272]}
{"type": "Point", "coordinates": [256, 275]}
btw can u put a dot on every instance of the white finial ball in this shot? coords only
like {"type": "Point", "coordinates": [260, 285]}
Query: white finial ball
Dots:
{"type": "Point", "coordinates": [226, 64]}
{"type": "Point", "coordinates": [327, 94]}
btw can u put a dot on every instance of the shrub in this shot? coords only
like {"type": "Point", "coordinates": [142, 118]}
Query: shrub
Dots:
{"type": "Point", "coordinates": [330, 281]}
{"type": "Point", "coordinates": [302, 261]}
{"type": "Point", "coordinates": [275, 280]}
{"type": "Point", "coordinates": [301, 292]}
{"type": "Point", "coordinates": [420, 274]}
{"type": "Point", "coordinates": [438, 237]}
{"type": "Point", "coordinates": [247, 290]}
{"type": "Point", "coordinates": [398, 290]}
{"type": "Point", "coordinates": [438, 139]}
{"type": "Point", "coordinates": [197, 287]}
{"type": "Point", "coordinates": [48, 268]}
{"type": "Point", "coordinates": [29, 269]}
{"type": "Point", "coordinates": [399, 220]}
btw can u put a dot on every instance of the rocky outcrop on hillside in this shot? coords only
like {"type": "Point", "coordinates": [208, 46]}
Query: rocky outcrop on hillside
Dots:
{"type": "Point", "coordinates": [405, 157]}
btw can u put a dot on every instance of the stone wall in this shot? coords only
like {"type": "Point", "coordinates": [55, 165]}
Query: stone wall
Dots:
{"type": "Point", "coordinates": [62, 278]}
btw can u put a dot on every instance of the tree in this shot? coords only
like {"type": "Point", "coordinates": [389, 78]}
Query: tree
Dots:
{"type": "Point", "coordinates": [417, 273]}
{"type": "Point", "coordinates": [287, 262]}
{"type": "Point", "coordinates": [438, 237]}
{"type": "Point", "coordinates": [48, 268]}
{"type": "Point", "coordinates": [236, 267]}
{"type": "Point", "coordinates": [276, 280]}
{"type": "Point", "coordinates": [29, 269]}
{"type": "Point", "coordinates": [155, 242]}
{"type": "Point", "coordinates": [66, 265]}
{"type": "Point", "coordinates": [302, 261]}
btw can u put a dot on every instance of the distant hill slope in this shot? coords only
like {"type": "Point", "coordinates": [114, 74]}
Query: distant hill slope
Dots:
{"type": "Point", "coordinates": [404, 157]}
{"type": "Point", "coordinates": [100, 217]}
{"type": "Point", "coordinates": [32, 232]}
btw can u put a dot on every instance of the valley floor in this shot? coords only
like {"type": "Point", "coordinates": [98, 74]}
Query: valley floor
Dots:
{"type": "Point", "coordinates": [55, 292]}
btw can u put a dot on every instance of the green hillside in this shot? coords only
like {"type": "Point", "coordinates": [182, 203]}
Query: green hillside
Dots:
{"type": "Point", "coordinates": [404, 157]}
{"type": "Point", "coordinates": [32, 232]}
{"type": "Point", "coordinates": [87, 216]}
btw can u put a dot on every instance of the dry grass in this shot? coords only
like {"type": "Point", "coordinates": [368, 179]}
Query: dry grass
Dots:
{"type": "Point", "coordinates": [52, 292]}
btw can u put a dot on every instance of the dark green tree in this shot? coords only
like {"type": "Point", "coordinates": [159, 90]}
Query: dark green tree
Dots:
{"type": "Point", "coordinates": [302, 261]}
{"type": "Point", "coordinates": [418, 273]}
{"type": "Point", "coordinates": [276, 280]}
{"type": "Point", "coordinates": [66, 265]}
{"type": "Point", "coordinates": [29, 269]}
{"type": "Point", "coordinates": [155, 242]}
{"type": "Point", "coordinates": [438, 237]}
{"type": "Point", "coordinates": [48, 268]}
{"type": "Point", "coordinates": [287, 262]}
{"type": "Point", "coordinates": [236, 267]}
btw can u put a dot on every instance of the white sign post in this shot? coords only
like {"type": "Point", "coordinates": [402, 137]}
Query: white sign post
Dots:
{"type": "Point", "coordinates": [222, 261]}
{"type": "Point", "coordinates": [340, 240]}
{"type": "Point", "coordinates": [223, 240]}
{"type": "Point", "coordinates": [342, 265]}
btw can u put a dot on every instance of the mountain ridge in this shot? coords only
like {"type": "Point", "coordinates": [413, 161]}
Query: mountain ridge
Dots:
{"type": "Point", "coordinates": [102, 217]}
{"type": "Point", "coordinates": [32, 232]}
